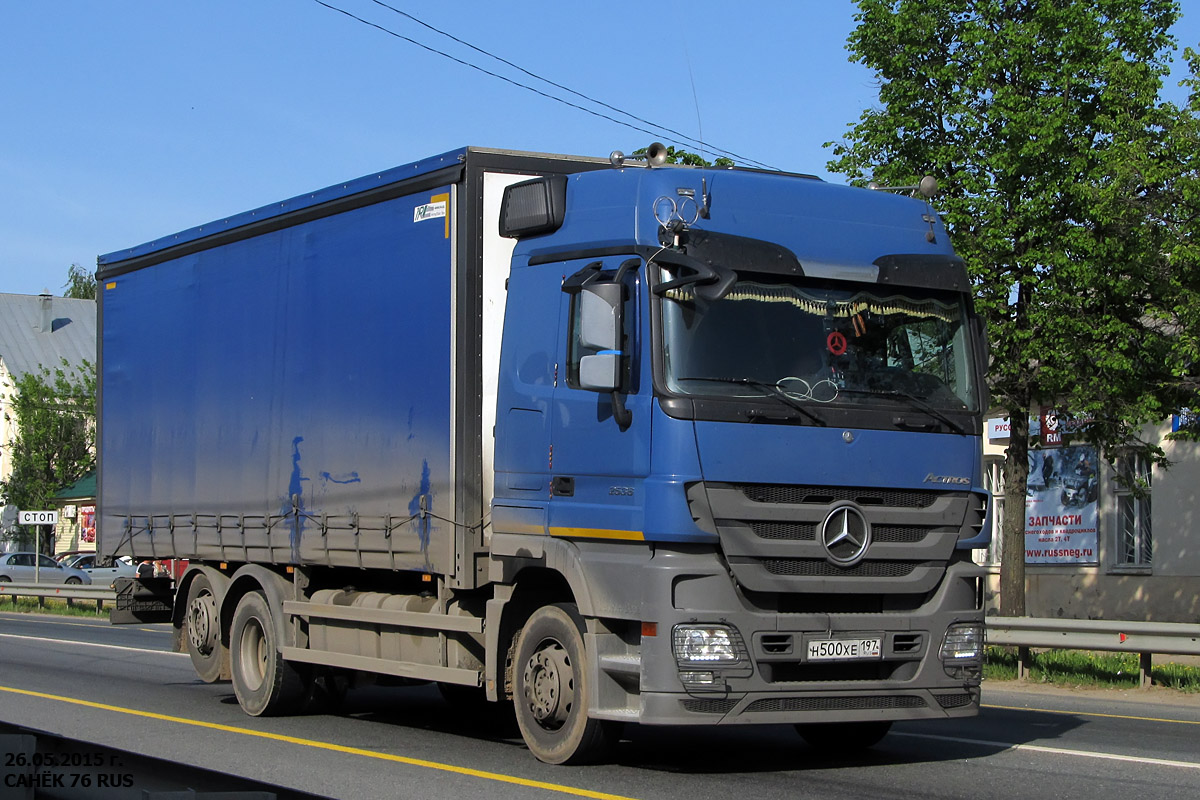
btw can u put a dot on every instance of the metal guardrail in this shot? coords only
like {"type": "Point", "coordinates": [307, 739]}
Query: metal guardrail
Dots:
{"type": "Point", "coordinates": [62, 591]}
{"type": "Point", "coordinates": [1143, 638]}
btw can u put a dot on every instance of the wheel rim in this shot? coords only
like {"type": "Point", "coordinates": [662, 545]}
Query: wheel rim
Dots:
{"type": "Point", "coordinates": [549, 680]}
{"type": "Point", "coordinates": [253, 655]}
{"type": "Point", "coordinates": [201, 615]}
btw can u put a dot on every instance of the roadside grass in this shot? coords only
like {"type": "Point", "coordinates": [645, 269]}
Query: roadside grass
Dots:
{"type": "Point", "coordinates": [49, 605]}
{"type": "Point", "coordinates": [1095, 670]}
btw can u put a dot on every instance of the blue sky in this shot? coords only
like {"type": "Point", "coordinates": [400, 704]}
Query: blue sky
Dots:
{"type": "Point", "coordinates": [126, 120]}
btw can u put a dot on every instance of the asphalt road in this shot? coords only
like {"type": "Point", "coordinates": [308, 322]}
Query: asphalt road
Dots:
{"type": "Point", "coordinates": [120, 687]}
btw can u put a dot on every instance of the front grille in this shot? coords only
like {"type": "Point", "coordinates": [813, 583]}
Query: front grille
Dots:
{"type": "Point", "coordinates": [824, 495]}
{"type": "Point", "coordinates": [709, 706]}
{"type": "Point", "coordinates": [807, 532]}
{"type": "Point", "coordinates": [873, 702]}
{"type": "Point", "coordinates": [771, 535]}
{"type": "Point", "coordinates": [899, 534]}
{"type": "Point", "coordinates": [819, 568]}
{"type": "Point", "coordinates": [793, 531]}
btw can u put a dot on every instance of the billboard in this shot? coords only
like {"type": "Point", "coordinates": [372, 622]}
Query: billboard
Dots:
{"type": "Point", "coordinates": [1062, 506]}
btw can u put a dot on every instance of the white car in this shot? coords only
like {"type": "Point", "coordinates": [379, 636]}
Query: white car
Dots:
{"type": "Point", "coordinates": [103, 569]}
{"type": "Point", "coordinates": [20, 568]}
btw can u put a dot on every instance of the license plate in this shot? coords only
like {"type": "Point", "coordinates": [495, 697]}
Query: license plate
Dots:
{"type": "Point", "coordinates": [843, 649]}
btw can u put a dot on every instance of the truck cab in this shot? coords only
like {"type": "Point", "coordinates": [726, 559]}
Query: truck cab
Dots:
{"type": "Point", "coordinates": [741, 413]}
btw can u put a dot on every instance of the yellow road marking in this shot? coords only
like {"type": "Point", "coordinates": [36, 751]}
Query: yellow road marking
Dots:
{"type": "Point", "coordinates": [337, 748]}
{"type": "Point", "coordinates": [1093, 714]}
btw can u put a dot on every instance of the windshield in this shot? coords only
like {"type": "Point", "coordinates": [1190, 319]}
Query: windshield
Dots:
{"type": "Point", "coordinates": [820, 342]}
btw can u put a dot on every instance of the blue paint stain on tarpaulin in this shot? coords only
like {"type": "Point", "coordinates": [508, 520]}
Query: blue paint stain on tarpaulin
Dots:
{"type": "Point", "coordinates": [351, 477]}
{"type": "Point", "coordinates": [295, 490]}
{"type": "Point", "coordinates": [424, 524]}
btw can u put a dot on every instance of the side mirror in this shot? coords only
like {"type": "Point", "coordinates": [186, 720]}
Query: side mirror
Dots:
{"type": "Point", "coordinates": [600, 326]}
{"type": "Point", "coordinates": [600, 316]}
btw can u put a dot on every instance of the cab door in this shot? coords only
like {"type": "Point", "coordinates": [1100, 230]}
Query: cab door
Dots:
{"type": "Point", "coordinates": [600, 446]}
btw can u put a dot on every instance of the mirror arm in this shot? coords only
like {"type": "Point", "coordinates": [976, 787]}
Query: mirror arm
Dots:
{"type": "Point", "coordinates": [622, 415]}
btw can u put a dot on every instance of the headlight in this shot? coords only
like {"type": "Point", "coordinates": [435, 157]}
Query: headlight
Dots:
{"type": "Point", "coordinates": [962, 652]}
{"type": "Point", "coordinates": [963, 641]}
{"type": "Point", "coordinates": [707, 645]}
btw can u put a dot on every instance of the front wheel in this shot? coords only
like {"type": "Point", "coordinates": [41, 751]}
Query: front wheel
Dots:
{"type": "Point", "coordinates": [265, 684]}
{"type": "Point", "coordinates": [73, 581]}
{"type": "Point", "coordinates": [552, 690]}
{"type": "Point", "coordinates": [5, 579]}
{"type": "Point", "coordinates": [843, 737]}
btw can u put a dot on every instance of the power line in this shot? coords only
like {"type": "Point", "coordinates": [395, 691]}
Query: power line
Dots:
{"type": "Point", "coordinates": [659, 130]}
{"type": "Point", "coordinates": [682, 136]}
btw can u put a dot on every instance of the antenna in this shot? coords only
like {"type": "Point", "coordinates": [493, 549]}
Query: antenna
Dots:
{"type": "Point", "coordinates": [695, 98]}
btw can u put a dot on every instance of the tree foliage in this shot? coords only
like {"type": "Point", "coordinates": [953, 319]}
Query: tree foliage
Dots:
{"type": "Point", "coordinates": [55, 443]}
{"type": "Point", "coordinates": [81, 284]}
{"type": "Point", "coordinates": [1062, 169]}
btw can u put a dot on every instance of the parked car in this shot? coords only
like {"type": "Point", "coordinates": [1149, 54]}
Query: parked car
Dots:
{"type": "Point", "coordinates": [67, 556]}
{"type": "Point", "coordinates": [103, 569]}
{"type": "Point", "coordinates": [20, 568]}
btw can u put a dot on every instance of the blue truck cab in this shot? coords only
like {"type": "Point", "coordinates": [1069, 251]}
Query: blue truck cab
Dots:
{"type": "Point", "coordinates": [623, 443]}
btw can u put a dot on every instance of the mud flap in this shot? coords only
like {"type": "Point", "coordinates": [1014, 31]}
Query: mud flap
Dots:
{"type": "Point", "coordinates": [142, 600]}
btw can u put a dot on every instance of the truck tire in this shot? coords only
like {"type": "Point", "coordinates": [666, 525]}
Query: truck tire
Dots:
{"type": "Point", "coordinates": [264, 683]}
{"type": "Point", "coordinates": [843, 737]}
{"type": "Point", "coordinates": [202, 631]}
{"type": "Point", "coordinates": [552, 691]}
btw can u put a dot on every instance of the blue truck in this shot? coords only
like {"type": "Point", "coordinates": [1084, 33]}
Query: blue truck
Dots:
{"type": "Point", "coordinates": [616, 441]}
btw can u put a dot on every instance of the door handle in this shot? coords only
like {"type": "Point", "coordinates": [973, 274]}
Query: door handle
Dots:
{"type": "Point", "coordinates": [562, 486]}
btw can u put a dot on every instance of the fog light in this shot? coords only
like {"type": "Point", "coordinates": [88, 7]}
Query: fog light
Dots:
{"type": "Point", "coordinates": [707, 644]}
{"type": "Point", "coordinates": [698, 678]}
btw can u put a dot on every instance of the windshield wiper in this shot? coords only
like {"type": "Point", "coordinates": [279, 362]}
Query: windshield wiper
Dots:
{"type": "Point", "coordinates": [771, 389]}
{"type": "Point", "coordinates": [918, 403]}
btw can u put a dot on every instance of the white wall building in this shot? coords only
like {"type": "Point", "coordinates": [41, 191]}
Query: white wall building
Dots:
{"type": "Point", "coordinates": [1093, 549]}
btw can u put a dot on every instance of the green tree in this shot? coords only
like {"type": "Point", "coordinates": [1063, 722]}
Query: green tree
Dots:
{"type": "Point", "coordinates": [1044, 123]}
{"type": "Point", "coordinates": [55, 443]}
{"type": "Point", "coordinates": [81, 284]}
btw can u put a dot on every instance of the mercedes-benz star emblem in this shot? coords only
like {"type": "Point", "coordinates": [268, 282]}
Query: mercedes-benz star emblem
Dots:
{"type": "Point", "coordinates": [846, 535]}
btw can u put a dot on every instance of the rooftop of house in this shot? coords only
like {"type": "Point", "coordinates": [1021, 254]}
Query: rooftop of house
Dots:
{"type": "Point", "coordinates": [41, 331]}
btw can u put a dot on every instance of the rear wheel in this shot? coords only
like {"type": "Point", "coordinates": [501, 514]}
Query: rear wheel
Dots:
{"type": "Point", "coordinates": [552, 690]}
{"type": "Point", "coordinates": [265, 684]}
{"type": "Point", "coordinates": [202, 631]}
{"type": "Point", "coordinates": [843, 737]}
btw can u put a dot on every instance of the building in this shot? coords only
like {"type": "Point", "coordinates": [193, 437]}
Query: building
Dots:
{"type": "Point", "coordinates": [76, 505]}
{"type": "Point", "coordinates": [1093, 548]}
{"type": "Point", "coordinates": [38, 331]}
